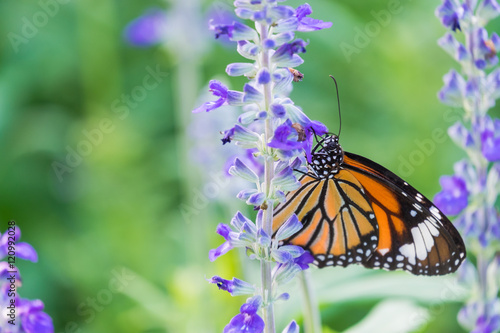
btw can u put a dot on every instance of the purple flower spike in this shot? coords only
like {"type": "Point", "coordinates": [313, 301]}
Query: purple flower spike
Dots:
{"type": "Point", "coordinates": [247, 321]}
{"type": "Point", "coordinates": [450, 13]}
{"type": "Point", "coordinates": [490, 142]}
{"type": "Point", "coordinates": [308, 23]}
{"type": "Point", "coordinates": [218, 89]}
{"type": "Point", "coordinates": [454, 196]}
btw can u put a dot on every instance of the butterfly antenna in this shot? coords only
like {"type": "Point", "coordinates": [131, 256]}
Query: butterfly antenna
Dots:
{"type": "Point", "coordinates": [338, 104]}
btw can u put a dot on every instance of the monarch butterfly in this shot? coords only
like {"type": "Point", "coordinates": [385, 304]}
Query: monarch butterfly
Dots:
{"type": "Point", "coordinates": [354, 211]}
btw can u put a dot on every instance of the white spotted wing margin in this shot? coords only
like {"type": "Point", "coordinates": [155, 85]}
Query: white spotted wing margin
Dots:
{"type": "Point", "coordinates": [339, 226]}
{"type": "Point", "coordinates": [416, 236]}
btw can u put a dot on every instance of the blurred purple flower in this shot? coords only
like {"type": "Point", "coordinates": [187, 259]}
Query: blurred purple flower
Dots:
{"type": "Point", "coordinates": [220, 20]}
{"type": "Point", "coordinates": [33, 319]}
{"type": "Point", "coordinates": [23, 250]}
{"type": "Point", "coordinates": [454, 196]}
{"type": "Point", "coordinates": [148, 29]}
{"type": "Point", "coordinates": [486, 49]}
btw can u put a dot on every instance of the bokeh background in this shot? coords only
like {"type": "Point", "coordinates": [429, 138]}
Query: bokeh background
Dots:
{"type": "Point", "coordinates": [123, 229]}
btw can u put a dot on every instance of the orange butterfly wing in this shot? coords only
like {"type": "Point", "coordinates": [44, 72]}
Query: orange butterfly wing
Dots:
{"type": "Point", "coordinates": [366, 214]}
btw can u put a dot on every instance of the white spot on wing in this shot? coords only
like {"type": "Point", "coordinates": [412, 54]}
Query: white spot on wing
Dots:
{"type": "Point", "coordinates": [419, 243]}
{"type": "Point", "coordinates": [432, 228]}
{"type": "Point", "coordinates": [383, 251]}
{"type": "Point", "coordinates": [413, 213]}
{"type": "Point", "coordinates": [408, 250]}
{"type": "Point", "coordinates": [429, 241]}
{"type": "Point", "coordinates": [435, 212]}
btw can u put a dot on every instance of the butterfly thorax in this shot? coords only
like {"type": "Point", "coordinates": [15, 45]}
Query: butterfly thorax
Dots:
{"type": "Point", "coordinates": [327, 157]}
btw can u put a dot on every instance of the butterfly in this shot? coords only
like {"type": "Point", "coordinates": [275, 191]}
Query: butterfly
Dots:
{"type": "Point", "coordinates": [355, 211]}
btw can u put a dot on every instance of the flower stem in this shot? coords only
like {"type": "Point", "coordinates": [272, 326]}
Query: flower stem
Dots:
{"type": "Point", "coordinates": [267, 219]}
{"type": "Point", "coordinates": [312, 317]}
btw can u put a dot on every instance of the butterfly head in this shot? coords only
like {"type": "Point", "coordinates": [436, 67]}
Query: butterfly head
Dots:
{"type": "Point", "coordinates": [327, 157]}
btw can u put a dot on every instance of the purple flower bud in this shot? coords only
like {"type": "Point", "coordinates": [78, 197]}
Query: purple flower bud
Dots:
{"type": "Point", "coordinates": [453, 90]}
{"type": "Point", "coordinates": [287, 25]}
{"type": "Point", "coordinates": [283, 297]}
{"type": "Point", "coordinates": [488, 10]}
{"type": "Point", "coordinates": [281, 12]}
{"type": "Point", "coordinates": [278, 110]}
{"type": "Point", "coordinates": [263, 77]}
{"type": "Point", "coordinates": [245, 137]}
{"type": "Point", "coordinates": [239, 68]}
{"type": "Point", "coordinates": [244, 13]}
{"type": "Point", "coordinates": [243, 32]}
{"type": "Point", "coordinates": [239, 220]}
{"type": "Point", "coordinates": [289, 228]}
{"type": "Point", "coordinates": [286, 180]}
{"type": "Point", "coordinates": [248, 50]}
{"type": "Point", "coordinates": [454, 196]}
{"type": "Point", "coordinates": [269, 43]}
{"type": "Point", "coordinates": [453, 47]}
{"type": "Point", "coordinates": [252, 95]}
{"type": "Point", "coordinates": [292, 328]}
{"type": "Point", "coordinates": [461, 135]}
{"type": "Point", "coordinates": [283, 38]}
{"type": "Point", "coordinates": [256, 199]}
{"type": "Point", "coordinates": [241, 170]}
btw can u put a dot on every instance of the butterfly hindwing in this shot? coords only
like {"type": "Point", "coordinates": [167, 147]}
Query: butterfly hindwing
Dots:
{"type": "Point", "coordinates": [339, 226]}
{"type": "Point", "coordinates": [413, 234]}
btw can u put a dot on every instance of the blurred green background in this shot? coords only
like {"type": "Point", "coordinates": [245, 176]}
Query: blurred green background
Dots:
{"type": "Point", "coordinates": [123, 233]}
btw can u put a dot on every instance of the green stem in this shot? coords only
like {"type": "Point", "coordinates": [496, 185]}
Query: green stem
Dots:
{"type": "Point", "coordinates": [312, 317]}
{"type": "Point", "coordinates": [267, 219]}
